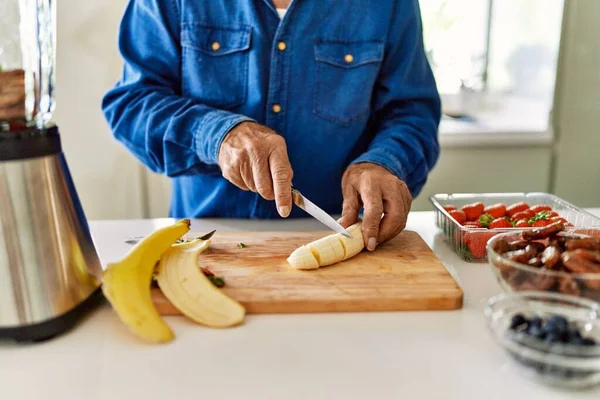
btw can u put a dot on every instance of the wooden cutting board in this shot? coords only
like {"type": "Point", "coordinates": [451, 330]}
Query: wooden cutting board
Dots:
{"type": "Point", "coordinates": [403, 274]}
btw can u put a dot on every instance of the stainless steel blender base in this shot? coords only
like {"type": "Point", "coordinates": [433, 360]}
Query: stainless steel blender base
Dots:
{"type": "Point", "coordinates": [49, 267]}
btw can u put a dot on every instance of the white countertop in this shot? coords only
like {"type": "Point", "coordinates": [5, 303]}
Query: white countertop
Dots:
{"type": "Point", "coordinates": [405, 355]}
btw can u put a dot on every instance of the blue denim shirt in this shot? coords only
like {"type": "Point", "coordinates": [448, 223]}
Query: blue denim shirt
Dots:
{"type": "Point", "coordinates": [342, 81]}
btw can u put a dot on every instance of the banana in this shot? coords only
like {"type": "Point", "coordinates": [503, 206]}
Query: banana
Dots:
{"type": "Point", "coordinates": [328, 250]}
{"type": "Point", "coordinates": [126, 284]}
{"type": "Point", "coordinates": [303, 258]}
{"type": "Point", "coordinates": [185, 286]}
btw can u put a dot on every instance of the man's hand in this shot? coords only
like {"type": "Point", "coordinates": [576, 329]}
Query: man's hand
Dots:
{"type": "Point", "coordinates": [379, 192]}
{"type": "Point", "coordinates": [254, 157]}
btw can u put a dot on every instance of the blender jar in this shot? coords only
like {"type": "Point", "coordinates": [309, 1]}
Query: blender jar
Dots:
{"type": "Point", "coordinates": [27, 63]}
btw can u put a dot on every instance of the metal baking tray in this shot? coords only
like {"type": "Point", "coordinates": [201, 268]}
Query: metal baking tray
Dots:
{"type": "Point", "coordinates": [459, 237]}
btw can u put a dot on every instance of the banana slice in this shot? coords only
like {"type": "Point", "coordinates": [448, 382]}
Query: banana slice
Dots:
{"type": "Point", "coordinates": [126, 284]}
{"type": "Point", "coordinates": [352, 246]}
{"type": "Point", "coordinates": [328, 250]}
{"type": "Point", "coordinates": [303, 258]}
{"type": "Point", "coordinates": [183, 283]}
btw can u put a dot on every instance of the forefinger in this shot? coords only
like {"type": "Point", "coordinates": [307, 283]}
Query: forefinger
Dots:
{"type": "Point", "coordinates": [281, 172]}
{"type": "Point", "coordinates": [373, 208]}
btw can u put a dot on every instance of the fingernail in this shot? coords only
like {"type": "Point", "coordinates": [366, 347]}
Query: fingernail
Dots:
{"type": "Point", "coordinates": [371, 244]}
{"type": "Point", "coordinates": [284, 211]}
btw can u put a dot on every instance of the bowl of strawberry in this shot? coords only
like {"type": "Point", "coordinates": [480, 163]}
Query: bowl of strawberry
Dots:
{"type": "Point", "coordinates": [469, 221]}
{"type": "Point", "coordinates": [486, 221]}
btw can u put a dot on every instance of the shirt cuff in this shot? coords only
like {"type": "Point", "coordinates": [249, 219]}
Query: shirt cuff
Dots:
{"type": "Point", "coordinates": [210, 132]}
{"type": "Point", "coordinates": [383, 159]}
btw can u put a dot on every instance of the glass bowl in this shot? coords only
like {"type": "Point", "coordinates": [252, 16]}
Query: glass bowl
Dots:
{"type": "Point", "coordinates": [568, 366]}
{"type": "Point", "coordinates": [515, 277]}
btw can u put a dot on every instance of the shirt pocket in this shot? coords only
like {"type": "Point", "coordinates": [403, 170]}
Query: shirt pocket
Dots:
{"type": "Point", "coordinates": [345, 76]}
{"type": "Point", "coordinates": [215, 64]}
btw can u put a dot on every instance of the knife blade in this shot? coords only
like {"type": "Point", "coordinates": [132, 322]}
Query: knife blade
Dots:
{"type": "Point", "coordinates": [134, 240]}
{"type": "Point", "coordinates": [317, 213]}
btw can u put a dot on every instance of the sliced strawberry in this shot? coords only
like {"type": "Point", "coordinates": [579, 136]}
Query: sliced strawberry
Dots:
{"type": "Point", "coordinates": [527, 214]}
{"type": "Point", "coordinates": [473, 210]}
{"type": "Point", "coordinates": [540, 207]}
{"type": "Point", "coordinates": [449, 208]}
{"type": "Point", "coordinates": [496, 210]}
{"type": "Point", "coordinates": [459, 216]}
{"type": "Point", "coordinates": [522, 223]}
{"type": "Point", "coordinates": [499, 223]}
{"type": "Point", "coordinates": [517, 207]}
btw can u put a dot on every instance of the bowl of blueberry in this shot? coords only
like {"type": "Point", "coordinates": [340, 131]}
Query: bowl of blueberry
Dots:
{"type": "Point", "coordinates": [552, 338]}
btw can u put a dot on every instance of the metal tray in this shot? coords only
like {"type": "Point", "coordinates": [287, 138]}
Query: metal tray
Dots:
{"type": "Point", "coordinates": [459, 237]}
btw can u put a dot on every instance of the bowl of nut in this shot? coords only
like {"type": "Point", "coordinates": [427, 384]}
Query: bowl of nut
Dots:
{"type": "Point", "coordinates": [550, 259]}
{"type": "Point", "coordinates": [551, 338]}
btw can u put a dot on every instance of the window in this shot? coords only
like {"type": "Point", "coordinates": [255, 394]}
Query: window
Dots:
{"type": "Point", "coordinates": [486, 54]}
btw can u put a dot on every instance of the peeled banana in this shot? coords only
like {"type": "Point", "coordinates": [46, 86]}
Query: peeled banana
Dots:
{"type": "Point", "coordinates": [191, 292]}
{"type": "Point", "coordinates": [328, 250]}
{"type": "Point", "coordinates": [126, 284]}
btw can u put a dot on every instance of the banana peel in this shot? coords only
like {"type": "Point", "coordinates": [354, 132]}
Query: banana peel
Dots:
{"type": "Point", "coordinates": [126, 284]}
{"type": "Point", "coordinates": [191, 292]}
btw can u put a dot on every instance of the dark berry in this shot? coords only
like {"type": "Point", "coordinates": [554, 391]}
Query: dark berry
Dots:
{"type": "Point", "coordinates": [517, 320]}
{"type": "Point", "coordinates": [589, 342]}
{"type": "Point", "coordinates": [553, 337]}
{"type": "Point", "coordinates": [536, 332]}
{"type": "Point", "coordinates": [572, 333]}
{"type": "Point", "coordinates": [558, 320]}
{"type": "Point", "coordinates": [535, 321]}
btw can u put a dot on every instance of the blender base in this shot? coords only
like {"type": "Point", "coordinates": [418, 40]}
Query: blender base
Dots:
{"type": "Point", "coordinates": [51, 328]}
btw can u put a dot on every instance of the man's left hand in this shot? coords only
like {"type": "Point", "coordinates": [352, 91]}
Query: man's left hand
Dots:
{"type": "Point", "coordinates": [378, 191]}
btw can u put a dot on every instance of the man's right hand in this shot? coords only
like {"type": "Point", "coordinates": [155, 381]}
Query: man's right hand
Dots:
{"type": "Point", "coordinates": [254, 157]}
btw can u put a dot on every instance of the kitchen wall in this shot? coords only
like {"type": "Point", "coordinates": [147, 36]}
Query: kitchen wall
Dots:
{"type": "Point", "coordinates": [113, 185]}
{"type": "Point", "coordinates": [576, 173]}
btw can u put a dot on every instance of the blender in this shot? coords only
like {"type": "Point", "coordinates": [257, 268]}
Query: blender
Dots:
{"type": "Point", "coordinates": [50, 272]}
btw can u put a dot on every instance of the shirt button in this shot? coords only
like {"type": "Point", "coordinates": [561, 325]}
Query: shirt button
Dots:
{"type": "Point", "coordinates": [348, 58]}
{"type": "Point", "coordinates": [281, 46]}
{"type": "Point", "coordinates": [216, 46]}
{"type": "Point", "coordinates": [276, 108]}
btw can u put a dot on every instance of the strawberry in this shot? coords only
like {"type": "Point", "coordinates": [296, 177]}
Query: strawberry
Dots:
{"type": "Point", "coordinates": [485, 220]}
{"type": "Point", "coordinates": [473, 210]}
{"type": "Point", "coordinates": [527, 214]}
{"type": "Point", "coordinates": [496, 210]}
{"type": "Point", "coordinates": [476, 242]}
{"type": "Point", "coordinates": [552, 214]}
{"type": "Point", "coordinates": [522, 223]}
{"type": "Point", "coordinates": [449, 208]}
{"type": "Point", "coordinates": [556, 219]}
{"type": "Point", "coordinates": [540, 223]}
{"type": "Point", "coordinates": [500, 223]}
{"type": "Point", "coordinates": [473, 224]}
{"type": "Point", "coordinates": [541, 216]}
{"type": "Point", "coordinates": [540, 207]}
{"type": "Point", "coordinates": [459, 216]}
{"type": "Point", "coordinates": [515, 208]}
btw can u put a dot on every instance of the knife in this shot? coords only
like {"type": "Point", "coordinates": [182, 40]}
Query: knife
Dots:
{"type": "Point", "coordinates": [136, 239]}
{"type": "Point", "coordinates": [317, 213]}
